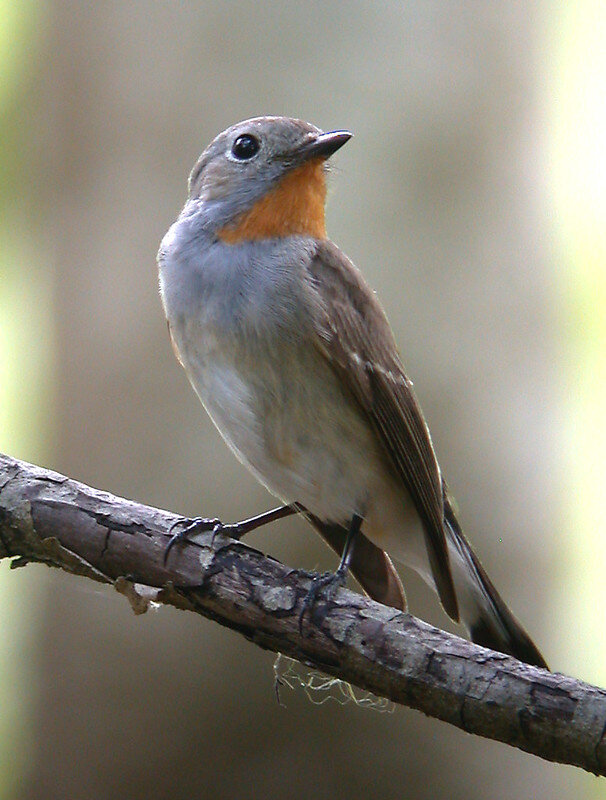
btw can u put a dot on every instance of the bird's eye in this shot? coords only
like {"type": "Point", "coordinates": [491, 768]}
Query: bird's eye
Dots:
{"type": "Point", "coordinates": [245, 147]}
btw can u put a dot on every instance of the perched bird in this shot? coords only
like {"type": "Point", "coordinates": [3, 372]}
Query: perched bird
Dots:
{"type": "Point", "coordinates": [293, 357]}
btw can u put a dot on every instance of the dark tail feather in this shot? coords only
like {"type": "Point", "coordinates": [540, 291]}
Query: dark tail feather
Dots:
{"type": "Point", "coordinates": [491, 623]}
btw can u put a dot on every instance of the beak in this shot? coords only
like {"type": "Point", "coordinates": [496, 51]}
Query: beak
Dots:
{"type": "Point", "coordinates": [324, 145]}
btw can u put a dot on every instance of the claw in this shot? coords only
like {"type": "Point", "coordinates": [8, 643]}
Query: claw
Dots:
{"type": "Point", "coordinates": [194, 525]}
{"type": "Point", "coordinates": [325, 583]}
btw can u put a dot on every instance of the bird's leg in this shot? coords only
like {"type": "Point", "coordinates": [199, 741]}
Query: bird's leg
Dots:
{"type": "Point", "coordinates": [329, 581]}
{"type": "Point", "coordinates": [236, 530]}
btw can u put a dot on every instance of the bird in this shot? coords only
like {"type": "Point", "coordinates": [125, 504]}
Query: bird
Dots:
{"type": "Point", "coordinates": [293, 358]}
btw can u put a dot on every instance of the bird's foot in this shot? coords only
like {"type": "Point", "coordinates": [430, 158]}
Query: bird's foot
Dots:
{"type": "Point", "coordinates": [195, 525]}
{"type": "Point", "coordinates": [323, 584]}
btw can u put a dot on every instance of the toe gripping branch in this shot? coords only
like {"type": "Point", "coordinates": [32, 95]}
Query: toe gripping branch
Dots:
{"type": "Point", "coordinates": [322, 585]}
{"type": "Point", "coordinates": [235, 530]}
{"type": "Point", "coordinates": [327, 583]}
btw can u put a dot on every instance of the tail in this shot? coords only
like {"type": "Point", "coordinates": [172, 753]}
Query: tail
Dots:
{"type": "Point", "coordinates": [483, 611]}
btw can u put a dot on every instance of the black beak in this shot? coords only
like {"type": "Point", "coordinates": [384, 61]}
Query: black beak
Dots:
{"type": "Point", "coordinates": [324, 145]}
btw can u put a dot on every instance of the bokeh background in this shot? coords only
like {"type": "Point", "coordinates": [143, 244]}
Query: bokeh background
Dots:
{"type": "Point", "coordinates": [474, 199]}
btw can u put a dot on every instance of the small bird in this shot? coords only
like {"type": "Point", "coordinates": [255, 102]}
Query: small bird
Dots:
{"type": "Point", "coordinates": [292, 356]}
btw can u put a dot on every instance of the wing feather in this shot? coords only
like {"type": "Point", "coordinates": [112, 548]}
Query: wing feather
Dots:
{"type": "Point", "coordinates": [355, 337]}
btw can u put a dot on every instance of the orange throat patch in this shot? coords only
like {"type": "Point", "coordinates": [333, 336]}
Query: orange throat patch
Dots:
{"type": "Point", "coordinates": [294, 207]}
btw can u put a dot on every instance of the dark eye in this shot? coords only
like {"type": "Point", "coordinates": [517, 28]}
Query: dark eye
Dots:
{"type": "Point", "coordinates": [245, 147]}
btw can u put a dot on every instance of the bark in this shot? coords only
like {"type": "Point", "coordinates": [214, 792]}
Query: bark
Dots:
{"type": "Point", "coordinates": [49, 518]}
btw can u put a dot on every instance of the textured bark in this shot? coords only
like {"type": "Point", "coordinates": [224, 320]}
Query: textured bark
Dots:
{"type": "Point", "coordinates": [46, 517]}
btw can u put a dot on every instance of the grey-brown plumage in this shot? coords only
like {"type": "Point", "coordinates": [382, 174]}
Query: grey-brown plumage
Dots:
{"type": "Point", "coordinates": [293, 357]}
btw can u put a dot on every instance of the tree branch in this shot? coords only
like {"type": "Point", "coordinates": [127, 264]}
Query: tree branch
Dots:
{"type": "Point", "coordinates": [46, 517]}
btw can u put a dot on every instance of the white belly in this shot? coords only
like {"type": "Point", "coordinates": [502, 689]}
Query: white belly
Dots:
{"type": "Point", "coordinates": [296, 431]}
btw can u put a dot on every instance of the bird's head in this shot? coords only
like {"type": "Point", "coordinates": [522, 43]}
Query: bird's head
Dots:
{"type": "Point", "coordinates": [265, 178]}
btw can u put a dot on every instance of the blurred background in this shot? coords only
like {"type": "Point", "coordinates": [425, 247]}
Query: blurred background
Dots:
{"type": "Point", "coordinates": [473, 197]}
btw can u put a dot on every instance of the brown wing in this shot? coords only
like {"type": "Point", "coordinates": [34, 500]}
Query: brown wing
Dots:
{"type": "Point", "coordinates": [354, 335]}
